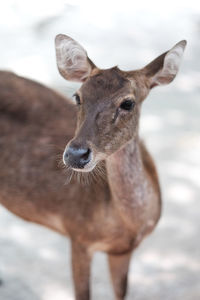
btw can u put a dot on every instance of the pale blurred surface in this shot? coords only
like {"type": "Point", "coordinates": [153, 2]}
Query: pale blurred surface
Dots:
{"type": "Point", "coordinates": [34, 261]}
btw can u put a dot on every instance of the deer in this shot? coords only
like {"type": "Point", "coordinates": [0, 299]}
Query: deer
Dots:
{"type": "Point", "coordinates": [117, 203]}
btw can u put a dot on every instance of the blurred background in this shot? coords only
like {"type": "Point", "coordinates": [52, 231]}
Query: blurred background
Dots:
{"type": "Point", "coordinates": [34, 261]}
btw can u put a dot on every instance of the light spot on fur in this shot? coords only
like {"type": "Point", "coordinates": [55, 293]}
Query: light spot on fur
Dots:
{"type": "Point", "coordinates": [98, 246]}
{"type": "Point", "coordinates": [55, 222]}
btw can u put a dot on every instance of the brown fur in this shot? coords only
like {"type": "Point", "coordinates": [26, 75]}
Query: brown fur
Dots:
{"type": "Point", "coordinates": [35, 125]}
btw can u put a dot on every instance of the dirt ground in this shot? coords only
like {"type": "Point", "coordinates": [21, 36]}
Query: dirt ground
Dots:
{"type": "Point", "coordinates": [34, 261]}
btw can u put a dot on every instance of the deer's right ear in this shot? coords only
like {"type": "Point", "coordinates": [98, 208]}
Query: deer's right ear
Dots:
{"type": "Point", "coordinates": [72, 60]}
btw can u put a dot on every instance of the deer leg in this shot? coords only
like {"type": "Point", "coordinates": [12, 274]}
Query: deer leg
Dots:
{"type": "Point", "coordinates": [119, 265]}
{"type": "Point", "coordinates": [81, 271]}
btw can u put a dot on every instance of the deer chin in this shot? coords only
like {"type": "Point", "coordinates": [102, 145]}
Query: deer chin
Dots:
{"type": "Point", "coordinates": [87, 168]}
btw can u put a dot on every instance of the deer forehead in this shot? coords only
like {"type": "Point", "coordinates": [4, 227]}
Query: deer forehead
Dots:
{"type": "Point", "coordinates": [106, 84]}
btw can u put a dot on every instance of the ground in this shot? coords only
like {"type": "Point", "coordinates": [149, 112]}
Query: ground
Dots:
{"type": "Point", "coordinates": [34, 261]}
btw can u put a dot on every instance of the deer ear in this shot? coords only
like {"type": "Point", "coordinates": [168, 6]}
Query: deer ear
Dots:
{"type": "Point", "coordinates": [72, 60]}
{"type": "Point", "coordinates": [164, 68]}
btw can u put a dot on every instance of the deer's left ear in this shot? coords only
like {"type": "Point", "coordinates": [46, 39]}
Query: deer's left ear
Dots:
{"type": "Point", "coordinates": [164, 68]}
{"type": "Point", "coordinates": [72, 60]}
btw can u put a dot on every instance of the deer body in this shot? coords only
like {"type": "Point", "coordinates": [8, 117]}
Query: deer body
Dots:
{"type": "Point", "coordinates": [25, 187]}
{"type": "Point", "coordinates": [112, 214]}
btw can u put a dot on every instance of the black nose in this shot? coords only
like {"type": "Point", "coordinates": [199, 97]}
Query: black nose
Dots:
{"type": "Point", "coordinates": [76, 157]}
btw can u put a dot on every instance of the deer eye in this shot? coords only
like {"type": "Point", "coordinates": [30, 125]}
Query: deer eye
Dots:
{"type": "Point", "coordinates": [77, 99]}
{"type": "Point", "coordinates": [127, 104]}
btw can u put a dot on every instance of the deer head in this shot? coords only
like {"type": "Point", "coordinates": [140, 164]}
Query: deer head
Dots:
{"type": "Point", "coordinates": [108, 100]}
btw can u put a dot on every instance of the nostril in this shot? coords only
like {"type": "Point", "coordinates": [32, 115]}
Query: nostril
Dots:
{"type": "Point", "coordinates": [86, 155]}
{"type": "Point", "coordinates": [65, 157]}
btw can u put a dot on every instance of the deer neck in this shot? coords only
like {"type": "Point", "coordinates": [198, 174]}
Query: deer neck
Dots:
{"type": "Point", "coordinates": [130, 186]}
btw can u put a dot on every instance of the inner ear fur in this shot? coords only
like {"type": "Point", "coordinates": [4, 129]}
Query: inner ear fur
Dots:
{"type": "Point", "coordinates": [164, 68]}
{"type": "Point", "coordinates": [72, 59]}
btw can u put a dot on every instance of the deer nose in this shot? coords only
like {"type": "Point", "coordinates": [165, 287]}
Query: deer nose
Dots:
{"type": "Point", "coordinates": [76, 158]}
